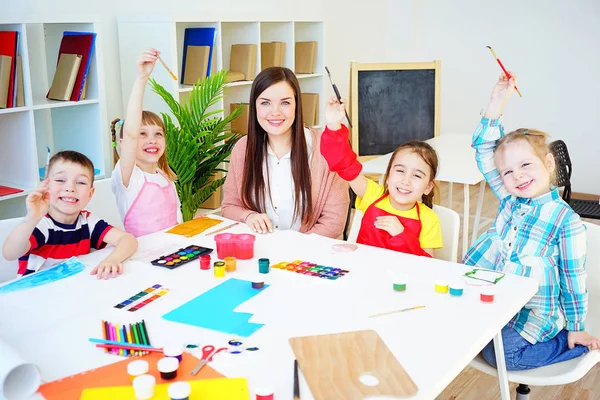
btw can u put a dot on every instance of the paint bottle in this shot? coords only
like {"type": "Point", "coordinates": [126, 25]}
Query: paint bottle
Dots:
{"type": "Point", "coordinates": [441, 286]}
{"type": "Point", "coordinates": [264, 394]}
{"type": "Point", "coordinates": [143, 387]}
{"type": "Point", "coordinates": [487, 295]}
{"type": "Point", "coordinates": [263, 265]}
{"type": "Point", "coordinates": [137, 368]}
{"type": "Point", "coordinates": [205, 261]}
{"type": "Point", "coordinates": [179, 391]}
{"type": "Point", "coordinates": [236, 346]}
{"type": "Point", "coordinates": [230, 264]}
{"type": "Point", "coordinates": [173, 350]}
{"type": "Point", "coordinates": [219, 269]}
{"type": "Point", "coordinates": [167, 366]}
{"type": "Point", "coordinates": [399, 285]}
{"type": "Point", "coordinates": [456, 289]}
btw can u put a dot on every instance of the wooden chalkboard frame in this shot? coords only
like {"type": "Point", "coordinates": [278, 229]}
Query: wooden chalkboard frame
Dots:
{"type": "Point", "coordinates": [356, 67]}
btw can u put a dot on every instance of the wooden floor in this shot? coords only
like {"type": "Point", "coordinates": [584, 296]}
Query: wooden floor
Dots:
{"type": "Point", "coordinates": [471, 384]}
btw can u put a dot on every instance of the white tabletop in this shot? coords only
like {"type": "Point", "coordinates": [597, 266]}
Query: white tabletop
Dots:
{"type": "Point", "coordinates": [50, 325]}
{"type": "Point", "coordinates": [455, 154]}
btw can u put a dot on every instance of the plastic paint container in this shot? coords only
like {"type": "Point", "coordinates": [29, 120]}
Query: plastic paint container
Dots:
{"type": "Point", "coordinates": [399, 286]}
{"type": "Point", "coordinates": [167, 367]}
{"type": "Point", "coordinates": [441, 287]}
{"type": "Point", "coordinates": [236, 346]}
{"type": "Point", "coordinates": [173, 350]}
{"type": "Point", "coordinates": [225, 245]}
{"type": "Point", "coordinates": [219, 268]}
{"type": "Point", "coordinates": [263, 265]}
{"type": "Point", "coordinates": [230, 264]}
{"type": "Point", "coordinates": [179, 391]}
{"type": "Point", "coordinates": [244, 246]}
{"type": "Point", "coordinates": [487, 295]}
{"type": "Point", "coordinates": [143, 387]}
{"type": "Point", "coordinates": [264, 394]}
{"type": "Point", "coordinates": [205, 261]}
{"type": "Point", "coordinates": [137, 368]}
{"type": "Point", "coordinates": [456, 289]}
{"type": "Point", "coordinates": [256, 284]}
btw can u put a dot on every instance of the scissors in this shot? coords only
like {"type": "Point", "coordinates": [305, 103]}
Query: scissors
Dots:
{"type": "Point", "coordinates": [208, 352]}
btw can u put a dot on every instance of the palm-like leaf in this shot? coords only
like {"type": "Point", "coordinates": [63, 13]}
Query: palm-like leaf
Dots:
{"type": "Point", "coordinates": [200, 140]}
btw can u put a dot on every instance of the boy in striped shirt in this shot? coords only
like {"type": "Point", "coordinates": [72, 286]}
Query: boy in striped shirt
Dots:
{"type": "Point", "coordinates": [56, 227]}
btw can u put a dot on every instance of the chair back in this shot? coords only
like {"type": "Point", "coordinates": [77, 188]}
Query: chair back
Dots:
{"type": "Point", "coordinates": [450, 223]}
{"type": "Point", "coordinates": [104, 205]}
{"type": "Point", "coordinates": [8, 269]}
{"type": "Point", "coordinates": [564, 167]}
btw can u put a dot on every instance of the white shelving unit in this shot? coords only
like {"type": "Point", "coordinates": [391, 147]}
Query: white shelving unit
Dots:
{"type": "Point", "coordinates": [167, 36]}
{"type": "Point", "coordinates": [25, 132]}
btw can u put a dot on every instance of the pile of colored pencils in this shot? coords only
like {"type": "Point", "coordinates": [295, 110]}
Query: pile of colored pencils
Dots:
{"type": "Point", "coordinates": [125, 339]}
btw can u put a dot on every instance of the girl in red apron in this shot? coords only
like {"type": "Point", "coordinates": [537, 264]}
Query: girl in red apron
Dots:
{"type": "Point", "coordinates": [398, 215]}
{"type": "Point", "coordinates": [142, 181]}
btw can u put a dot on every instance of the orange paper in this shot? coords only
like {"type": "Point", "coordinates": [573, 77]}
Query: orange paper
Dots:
{"type": "Point", "coordinates": [194, 227]}
{"type": "Point", "coordinates": [70, 388]}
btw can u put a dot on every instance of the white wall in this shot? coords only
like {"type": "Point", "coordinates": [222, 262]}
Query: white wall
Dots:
{"type": "Point", "coordinates": [550, 44]}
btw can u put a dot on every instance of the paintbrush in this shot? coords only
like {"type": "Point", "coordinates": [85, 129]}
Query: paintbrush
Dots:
{"type": "Point", "coordinates": [222, 229]}
{"type": "Point", "coordinates": [337, 94]}
{"type": "Point", "coordinates": [396, 311]}
{"type": "Point", "coordinates": [167, 68]}
{"type": "Point", "coordinates": [503, 69]}
{"type": "Point", "coordinates": [296, 382]}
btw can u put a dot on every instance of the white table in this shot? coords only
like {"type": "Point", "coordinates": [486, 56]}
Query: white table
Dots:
{"type": "Point", "coordinates": [50, 325]}
{"type": "Point", "coordinates": [456, 165]}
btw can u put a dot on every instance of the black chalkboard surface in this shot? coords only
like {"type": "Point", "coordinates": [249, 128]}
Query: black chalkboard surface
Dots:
{"type": "Point", "coordinates": [393, 104]}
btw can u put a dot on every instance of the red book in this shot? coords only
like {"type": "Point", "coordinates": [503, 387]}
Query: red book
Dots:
{"type": "Point", "coordinates": [81, 44]}
{"type": "Point", "coordinates": [8, 47]}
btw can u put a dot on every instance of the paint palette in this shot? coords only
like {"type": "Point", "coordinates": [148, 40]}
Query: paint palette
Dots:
{"type": "Point", "coordinates": [181, 256]}
{"type": "Point", "coordinates": [143, 298]}
{"type": "Point", "coordinates": [311, 269]}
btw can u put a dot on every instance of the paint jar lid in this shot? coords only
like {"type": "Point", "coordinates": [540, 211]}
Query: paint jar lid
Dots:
{"type": "Point", "coordinates": [456, 285]}
{"type": "Point", "coordinates": [179, 390]}
{"type": "Point", "coordinates": [143, 387]}
{"type": "Point", "coordinates": [168, 364]}
{"type": "Point", "coordinates": [137, 367]}
{"type": "Point", "coordinates": [488, 291]}
{"type": "Point", "coordinates": [263, 260]}
{"type": "Point", "coordinates": [219, 264]}
{"type": "Point", "coordinates": [441, 283]}
{"type": "Point", "coordinates": [173, 350]}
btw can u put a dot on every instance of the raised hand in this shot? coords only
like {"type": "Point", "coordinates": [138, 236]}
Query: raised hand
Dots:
{"type": "Point", "coordinates": [38, 201]}
{"type": "Point", "coordinates": [146, 62]}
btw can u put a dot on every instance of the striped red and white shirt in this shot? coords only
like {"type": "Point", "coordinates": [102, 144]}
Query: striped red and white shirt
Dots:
{"type": "Point", "coordinates": [53, 242]}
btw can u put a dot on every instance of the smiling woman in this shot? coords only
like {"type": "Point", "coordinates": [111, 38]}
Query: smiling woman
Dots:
{"type": "Point", "coordinates": [277, 177]}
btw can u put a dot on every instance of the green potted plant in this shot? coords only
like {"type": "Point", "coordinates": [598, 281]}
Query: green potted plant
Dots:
{"type": "Point", "coordinates": [199, 142]}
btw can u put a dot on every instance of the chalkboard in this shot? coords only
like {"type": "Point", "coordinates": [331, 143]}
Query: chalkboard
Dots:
{"type": "Point", "coordinates": [393, 103]}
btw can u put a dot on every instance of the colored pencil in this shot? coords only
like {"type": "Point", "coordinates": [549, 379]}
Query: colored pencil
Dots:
{"type": "Point", "coordinates": [113, 337]}
{"type": "Point", "coordinates": [222, 229]}
{"type": "Point", "coordinates": [503, 69]}
{"type": "Point", "coordinates": [104, 332]}
{"type": "Point", "coordinates": [396, 311]}
{"type": "Point", "coordinates": [119, 338]}
{"type": "Point", "coordinates": [126, 347]}
{"type": "Point", "coordinates": [296, 382]}
{"type": "Point", "coordinates": [125, 338]}
{"type": "Point", "coordinates": [167, 68]}
{"type": "Point", "coordinates": [136, 340]}
{"type": "Point", "coordinates": [119, 343]}
{"type": "Point", "coordinates": [146, 336]}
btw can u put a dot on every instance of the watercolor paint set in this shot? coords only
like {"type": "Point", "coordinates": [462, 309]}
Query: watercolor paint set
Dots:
{"type": "Point", "coordinates": [181, 256]}
{"type": "Point", "coordinates": [143, 298]}
{"type": "Point", "coordinates": [311, 269]}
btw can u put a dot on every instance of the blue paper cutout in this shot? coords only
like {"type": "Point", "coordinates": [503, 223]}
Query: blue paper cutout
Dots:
{"type": "Point", "coordinates": [214, 309]}
{"type": "Point", "coordinates": [67, 268]}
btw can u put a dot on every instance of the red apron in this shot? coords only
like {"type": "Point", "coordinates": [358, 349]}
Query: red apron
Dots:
{"type": "Point", "coordinates": [405, 242]}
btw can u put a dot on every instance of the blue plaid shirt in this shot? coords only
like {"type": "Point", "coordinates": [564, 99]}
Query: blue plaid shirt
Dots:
{"type": "Point", "coordinates": [542, 238]}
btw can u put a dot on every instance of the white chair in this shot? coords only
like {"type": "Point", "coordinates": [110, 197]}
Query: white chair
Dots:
{"type": "Point", "coordinates": [8, 269]}
{"type": "Point", "coordinates": [449, 220]}
{"type": "Point", "coordinates": [104, 205]}
{"type": "Point", "coordinates": [569, 371]}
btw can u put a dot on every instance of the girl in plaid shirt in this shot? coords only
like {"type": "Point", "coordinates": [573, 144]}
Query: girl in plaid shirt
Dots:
{"type": "Point", "coordinates": [535, 234]}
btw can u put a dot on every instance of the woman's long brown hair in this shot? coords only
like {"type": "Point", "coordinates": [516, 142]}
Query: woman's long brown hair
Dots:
{"type": "Point", "coordinates": [254, 183]}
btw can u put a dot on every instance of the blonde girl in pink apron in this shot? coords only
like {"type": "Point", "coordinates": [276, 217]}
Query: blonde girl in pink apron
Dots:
{"type": "Point", "coordinates": [142, 181]}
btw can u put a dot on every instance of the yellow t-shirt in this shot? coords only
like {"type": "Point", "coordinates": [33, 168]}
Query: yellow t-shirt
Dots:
{"type": "Point", "coordinates": [431, 230]}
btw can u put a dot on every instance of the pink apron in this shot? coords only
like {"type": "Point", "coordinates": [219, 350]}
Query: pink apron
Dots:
{"type": "Point", "coordinates": [154, 209]}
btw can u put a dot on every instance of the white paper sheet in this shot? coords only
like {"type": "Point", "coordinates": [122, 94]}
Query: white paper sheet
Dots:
{"type": "Point", "coordinates": [18, 378]}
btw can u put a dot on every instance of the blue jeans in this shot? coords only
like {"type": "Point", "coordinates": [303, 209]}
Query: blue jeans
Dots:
{"type": "Point", "coordinates": [520, 354]}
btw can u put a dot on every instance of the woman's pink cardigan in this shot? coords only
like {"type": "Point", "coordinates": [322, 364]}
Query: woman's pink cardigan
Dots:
{"type": "Point", "coordinates": [330, 197]}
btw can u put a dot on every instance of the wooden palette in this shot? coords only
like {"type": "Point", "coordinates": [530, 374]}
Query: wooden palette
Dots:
{"type": "Point", "coordinates": [333, 365]}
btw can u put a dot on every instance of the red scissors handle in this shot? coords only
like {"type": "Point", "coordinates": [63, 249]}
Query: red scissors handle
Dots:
{"type": "Point", "coordinates": [207, 352]}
